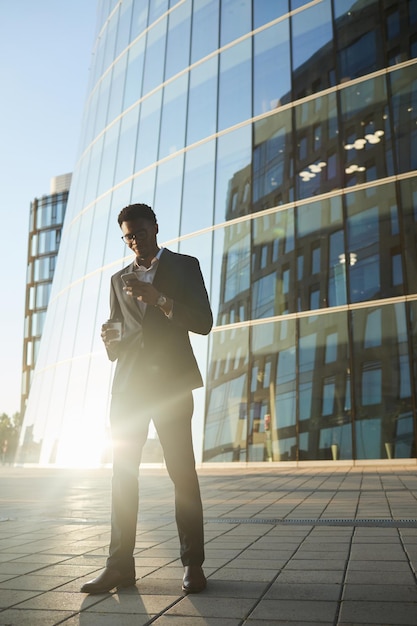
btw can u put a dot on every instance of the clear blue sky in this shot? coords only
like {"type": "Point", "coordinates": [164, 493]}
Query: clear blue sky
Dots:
{"type": "Point", "coordinates": [45, 53]}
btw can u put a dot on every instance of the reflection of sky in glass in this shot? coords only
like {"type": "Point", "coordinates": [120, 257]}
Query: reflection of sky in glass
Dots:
{"type": "Point", "coordinates": [312, 30]}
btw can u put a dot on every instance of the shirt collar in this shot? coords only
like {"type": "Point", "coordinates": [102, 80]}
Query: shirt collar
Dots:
{"type": "Point", "coordinates": [154, 261]}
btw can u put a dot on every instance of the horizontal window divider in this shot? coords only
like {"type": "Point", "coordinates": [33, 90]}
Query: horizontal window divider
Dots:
{"type": "Point", "coordinates": [316, 312]}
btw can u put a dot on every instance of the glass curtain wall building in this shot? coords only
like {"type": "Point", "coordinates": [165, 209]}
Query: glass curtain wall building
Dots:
{"type": "Point", "coordinates": [276, 141]}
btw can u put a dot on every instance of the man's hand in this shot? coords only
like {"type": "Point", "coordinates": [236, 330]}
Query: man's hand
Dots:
{"type": "Point", "coordinates": [109, 334]}
{"type": "Point", "coordinates": [145, 292]}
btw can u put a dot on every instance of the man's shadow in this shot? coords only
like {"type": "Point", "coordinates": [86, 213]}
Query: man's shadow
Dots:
{"type": "Point", "coordinates": [109, 608]}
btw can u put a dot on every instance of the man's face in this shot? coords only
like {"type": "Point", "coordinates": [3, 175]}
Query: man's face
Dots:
{"type": "Point", "coordinates": [141, 238]}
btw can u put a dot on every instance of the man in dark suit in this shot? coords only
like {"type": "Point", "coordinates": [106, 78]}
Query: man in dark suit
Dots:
{"type": "Point", "coordinates": [155, 373]}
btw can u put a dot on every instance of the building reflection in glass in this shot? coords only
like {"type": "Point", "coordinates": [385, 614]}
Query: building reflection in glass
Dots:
{"type": "Point", "coordinates": [326, 367]}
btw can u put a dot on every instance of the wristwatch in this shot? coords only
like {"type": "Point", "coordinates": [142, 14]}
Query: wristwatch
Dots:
{"type": "Point", "coordinates": [161, 300]}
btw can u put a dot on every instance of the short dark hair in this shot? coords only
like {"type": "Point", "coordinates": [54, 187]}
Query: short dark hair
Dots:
{"type": "Point", "coordinates": [136, 211]}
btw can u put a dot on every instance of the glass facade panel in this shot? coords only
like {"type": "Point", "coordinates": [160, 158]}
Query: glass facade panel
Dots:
{"type": "Point", "coordinates": [264, 11]}
{"type": "Point", "coordinates": [325, 428]}
{"type": "Point", "coordinates": [235, 85]}
{"type": "Point", "coordinates": [202, 101]}
{"type": "Point", "coordinates": [173, 120]}
{"type": "Point", "coordinates": [359, 37]}
{"type": "Point", "coordinates": [272, 161]}
{"type": "Point", "coordinates": [117, 89]}
{"type": "Point", "coordinates": [233, 171]}
{"type": "Point", "coordinates": [367, 133]}
{"type": "Point", "coordinates": [235, 20]}
{"type": "Point", "coordinates": [198, 190]}
{"type": "Point", "coordinates": [148, 133]}
{"type": "Point", "coordinates": [276, 142]}
{"type": "Point", "coordinates": [126, 148]}
{"type": "Point", "coordinates": [167, 201]}
{"type": "Point", "coordinates": [226, 423]}
{"type": "Point", "coordinates": [403, 84]}
{"type": "Point", "coordinates": [108, 158]}
{"type": "Point", "coordinates": [382, 390]}
{"type": "Point", "coordinates": [312, 47]}
{"type": "Point", "coordinates": [271, 68]}
{"type": "Point", "coordinates": [178, 40]}
{"type": "Point", "coordinates": [205, 28]}
{"type": "Point", "coordinates": [371, 245]}
{"type": "Point", "coordinates": [134, 73]}
{"type": "Point", "coordinates": [317, 160]}
{"type": "Point", "coordinates": [155, 55]}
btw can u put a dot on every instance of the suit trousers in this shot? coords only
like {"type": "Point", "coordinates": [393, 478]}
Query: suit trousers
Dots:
{"type": "Point", "coordinates": [130, 415]}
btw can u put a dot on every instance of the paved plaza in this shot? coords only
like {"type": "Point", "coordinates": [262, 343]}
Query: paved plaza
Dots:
{"type": "Point", "coordinates": [313, 546]}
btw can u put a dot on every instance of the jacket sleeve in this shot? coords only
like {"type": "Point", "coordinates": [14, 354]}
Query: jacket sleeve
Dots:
{"type": "Point", "coordinates": [191, 309]}
{"type": "Point", "coordinates": [113, 350]}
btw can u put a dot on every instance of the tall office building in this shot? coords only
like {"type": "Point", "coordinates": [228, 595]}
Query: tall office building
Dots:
{"type": "Point", "coordinates": [45, 224]}
{"type": "Point", "coordinates": [277, 141]}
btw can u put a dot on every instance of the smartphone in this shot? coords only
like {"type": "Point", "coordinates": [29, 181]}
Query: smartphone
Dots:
{"type": "Point", "coordinates": [129, 279]}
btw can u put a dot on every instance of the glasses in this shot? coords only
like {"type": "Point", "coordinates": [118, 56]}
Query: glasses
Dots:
{"type": "Point", "coordinates": [129, 237]}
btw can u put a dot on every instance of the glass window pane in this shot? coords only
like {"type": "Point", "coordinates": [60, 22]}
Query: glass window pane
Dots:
{"type": "Point", "coordinates": [168, 197]}
{"type": "Point", "coordinates": [324, 388]}
{"type": "Point", "coordinates": [272, 77]}
{"type": "Point", "coordinates": [265, 11]}
{"type": "Point", "coordinates": [156, 9]}
{"type": "Point", "coordinates": [359, 38]}
{"type": "Point", "coordinates": [370, 244]}
{"type": "Point", "coordinates": [366, 131]}
{"type": "Point", "coordinates": [149, 125]}
{"type": "Point", "coordinates": [235, 85]}
{"type": "Point", "coordinates": [108, 158]}
{"type": "Point", "coordinates": [134, 74]}
{"type": "Point", "coordinates": [312, 35]}
{"type": "Point", "coordinates": [155, 56]}
{"type": "Point", "coordinates": [123, 28]}
{"type": "Point", "coordinates": [272, 161]}
{"type": "Point", "coordinates": [143, 187]}
{"type": "Point", "coordinates": [93, 171]}
{"type": "Point", "coordinates": [226, 417]}
{"type": "Point", "coordinates": [198, 188]}
{"type": "Point", "coordinates": [408, 206]}
{"type": "Point", "coordinates": [403, 85]}
{"type": "Point", "coordinates": [173, 120]}
{"type": "Point", "coordinates": [110, 33]}
{"type": "Point", "coordinates": [232, 171]}
{"type": "Point", "coordinates": [231, 272]}
{"type": "Point", "coordinates": [320, 240]}
{"type": "Point", "coordinates": [178, 40]}
{"type": "Point", "coordinates": [317, 168]}
{"type": "Point", "coordinates": [126, 149]}
{"type": "Point", "coordinates": [205, 28]}
{"type": "Point", "coordinates": [235, 20]}
{"type": "Point", "coordinates": [202, 101]}
{"type": "Point", "coordinates": [102, 104]}
{"type": "Point", "coordinates": [270, 281]}
{"type": "Point", "coordinates": [116, 89]}
{"type": "Point", "coordinates": [101, 220]}
{"type": "Point", "coordinates": [382, 383]}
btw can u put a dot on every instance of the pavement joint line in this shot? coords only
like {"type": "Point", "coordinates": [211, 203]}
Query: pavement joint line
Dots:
{"type": "Point", "coordinates": [274, 521]}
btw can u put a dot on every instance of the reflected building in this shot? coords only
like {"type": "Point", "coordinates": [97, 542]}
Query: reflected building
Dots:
{"type": "Point", "coordinates": [276, 142]}
{"type": "Point", "coordinates": [45, 225]}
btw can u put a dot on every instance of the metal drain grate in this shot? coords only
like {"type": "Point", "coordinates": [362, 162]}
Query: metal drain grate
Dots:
{"type": "Point", "coordinates": [384, 523]}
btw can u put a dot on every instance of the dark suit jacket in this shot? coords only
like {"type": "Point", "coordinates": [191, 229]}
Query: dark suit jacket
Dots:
{"type": "Point", "coordinates": [157, 347]}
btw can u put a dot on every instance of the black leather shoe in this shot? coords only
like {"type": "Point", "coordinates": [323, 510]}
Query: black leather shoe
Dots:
{"type": "Point", "coordinates": [194, 580]}
{"type": "Point", "coordinates": [107, 580]}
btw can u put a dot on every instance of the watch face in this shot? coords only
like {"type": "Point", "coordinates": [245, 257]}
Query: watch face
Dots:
{"type": "Point", "coordinates": [161, 300]}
